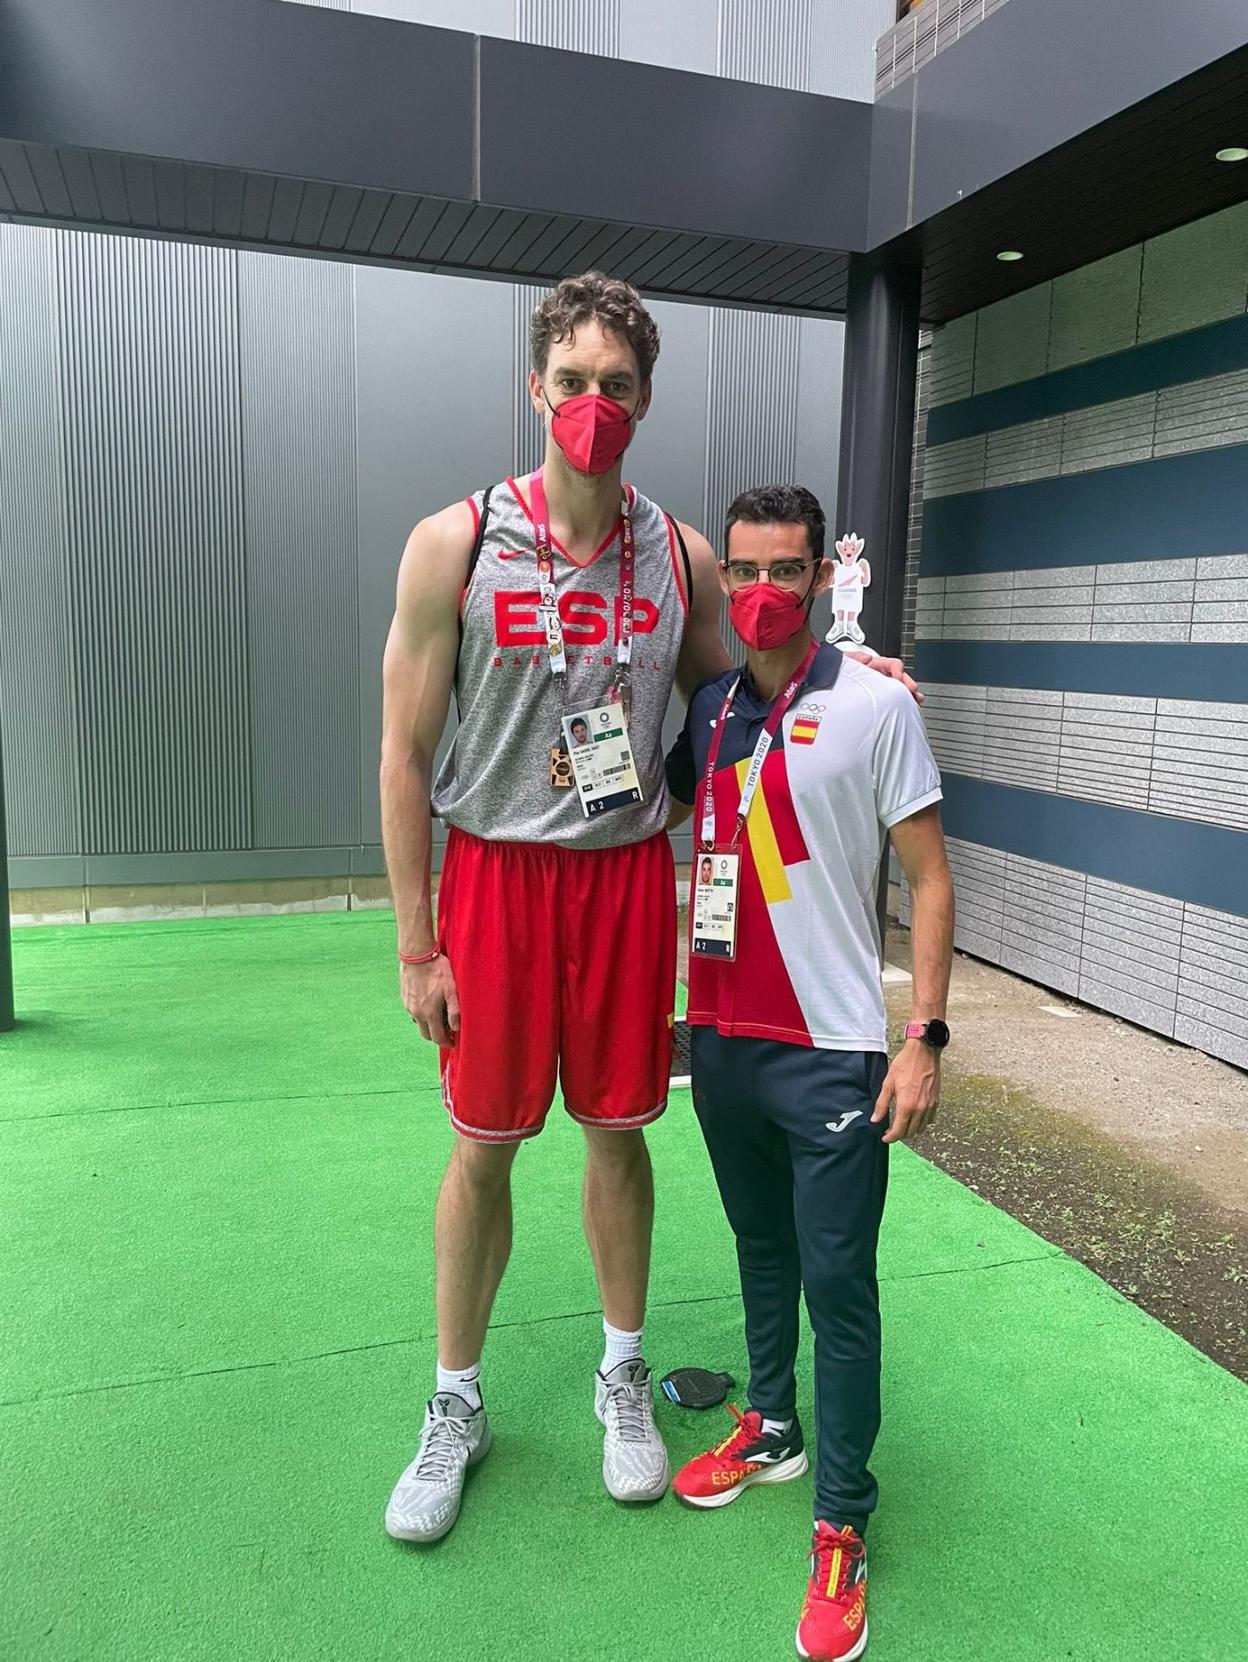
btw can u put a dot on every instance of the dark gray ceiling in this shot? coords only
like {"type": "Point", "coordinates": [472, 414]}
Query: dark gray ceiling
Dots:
{"type": "Point", "coordinates": [92, 188]}
{"type": "Point", "coordinates": [322, 132]}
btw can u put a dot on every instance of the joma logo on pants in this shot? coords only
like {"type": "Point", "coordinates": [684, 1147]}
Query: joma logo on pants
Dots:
{"type": "Point", "coordinates": [583, 615]}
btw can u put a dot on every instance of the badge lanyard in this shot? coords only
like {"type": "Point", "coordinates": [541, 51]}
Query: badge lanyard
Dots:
{"type": "Point", "coordinates": [549, 599]}
{"type": "Point", "coordinates": [779, 710]}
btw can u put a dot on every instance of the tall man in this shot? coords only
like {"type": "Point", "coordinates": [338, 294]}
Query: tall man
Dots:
{"type": "Point", "coordinates": [564, 595]}
{"type": "Point", "coordinates": [791, 1081]}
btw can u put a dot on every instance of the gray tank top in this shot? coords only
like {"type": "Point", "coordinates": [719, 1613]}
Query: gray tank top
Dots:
{"type": "Point", "coordinates": [495, 780]}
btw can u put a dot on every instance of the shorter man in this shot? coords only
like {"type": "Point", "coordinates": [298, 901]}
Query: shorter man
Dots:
{"type": "Point", "coordinates": [791, 1084]}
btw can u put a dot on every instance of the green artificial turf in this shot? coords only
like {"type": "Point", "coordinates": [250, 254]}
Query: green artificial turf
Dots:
{"type": "Point", "coordinates": [219, 1147]}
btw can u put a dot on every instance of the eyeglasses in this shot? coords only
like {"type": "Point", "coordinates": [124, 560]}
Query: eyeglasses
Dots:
{"type": "Point", "coordinates": [785, 574]}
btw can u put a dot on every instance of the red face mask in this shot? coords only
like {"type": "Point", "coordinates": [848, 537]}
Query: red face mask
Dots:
{"type": "Point", "coordinates": [593, 432]}
{"type": "Point", "coordinates": [765, 616]}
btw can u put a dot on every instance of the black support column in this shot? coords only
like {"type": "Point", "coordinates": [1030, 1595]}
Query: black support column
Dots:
{"type": "Point", "coordinates": [877, 444]}
{"type": "Point", "coordinates": [6, 953]}
{"type": "Point", "coordinates": [877, 433]}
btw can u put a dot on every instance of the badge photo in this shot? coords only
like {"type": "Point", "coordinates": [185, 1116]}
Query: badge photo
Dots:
{"type": "Point", "coordinates": [601, 759]}
{"type": "Point", "coordinates": [714, 912]}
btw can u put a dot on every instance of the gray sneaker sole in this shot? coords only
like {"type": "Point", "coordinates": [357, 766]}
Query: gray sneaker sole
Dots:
{"type": "Point", "coordinates": [646, 1497]}
{"type": "Point", "coordinates": [416, 1537]}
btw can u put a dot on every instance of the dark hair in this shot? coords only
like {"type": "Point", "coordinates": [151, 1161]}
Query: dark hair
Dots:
{"type": "Point", "coordinates": [779, 505]}
{"type": "Point", "coordinates": [593, 298]}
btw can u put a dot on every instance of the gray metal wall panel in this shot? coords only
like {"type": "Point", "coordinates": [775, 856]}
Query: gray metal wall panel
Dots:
{"type": "Point", "coordinates": [36, 686]}
{"type": "Point", "coordinates": [479, 17]}
{"type": "Point", "coordinates": [586, 26]}
{"type": "Point", "coordinates": [817, 442]}
{"type": "Point", "coordinates": [914, 530]}
{"type": "Point", "coordinates": [766, 41]}
{"type": "Point", "coordinates": [736, 140]}
{"type": "Point", "coordinates": [908, 45]}
{"type": "Point", "coordinates": [682, 37]}
{"type": "Point", "coordinates": [667, 459]}
{"type": "Point", "coordinates": [528, 438]}
{"type": "Point", "coordinates": [434, 390]}
{"type": "Point", "coordinates": [297, 346]}
{"type": "Point", "coordinates": [988, 108]}
{"type": "Point", "coordinates": [752, 414]}
{"type": "Point", "coordinates": [149, 345]}
{"type": "Point", "coordinates": [841, 55]}
{"type": "Point", "coordinates": [244, 85]}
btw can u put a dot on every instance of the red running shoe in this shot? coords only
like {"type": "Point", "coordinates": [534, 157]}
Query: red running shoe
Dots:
{"type": "Point", "coordinates": [833, 1627]}
{"type": "Point", "coordinates": [747, 1456]}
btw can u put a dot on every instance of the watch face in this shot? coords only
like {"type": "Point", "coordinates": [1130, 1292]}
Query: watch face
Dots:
{"type": "Point", "coordinates": [937, 1034]}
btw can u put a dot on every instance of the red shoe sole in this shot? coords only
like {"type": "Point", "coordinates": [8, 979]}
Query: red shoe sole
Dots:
{"type": "Point", "coordinates": [785, 1472]}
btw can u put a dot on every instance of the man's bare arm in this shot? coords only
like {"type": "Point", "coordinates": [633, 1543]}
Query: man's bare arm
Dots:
{"type": "Point", "coordinates": [920, 845]}
{"type": "Point", "coordinates": [417, 676]}
{"type": "Point", "coordinates": [913, 1084]}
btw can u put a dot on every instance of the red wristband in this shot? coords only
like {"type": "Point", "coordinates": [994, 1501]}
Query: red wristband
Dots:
{"type": "Point", "coordinates": [422, 958]}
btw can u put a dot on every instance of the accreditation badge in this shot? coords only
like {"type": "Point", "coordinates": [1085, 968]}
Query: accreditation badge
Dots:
{"type": "Point", "coordinates": [715, 882]}
{"type": "Point", "coordinates": [602, 759]}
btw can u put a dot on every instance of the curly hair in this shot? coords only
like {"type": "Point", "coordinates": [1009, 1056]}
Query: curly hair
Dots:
{"type": "Point", "coordinates": [594, 298]}
{"type": "Point", "coordinates": [780, 505]}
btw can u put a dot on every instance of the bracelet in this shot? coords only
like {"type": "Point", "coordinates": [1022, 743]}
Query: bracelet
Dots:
{"type": "Point", "coordinates": [421, 958]}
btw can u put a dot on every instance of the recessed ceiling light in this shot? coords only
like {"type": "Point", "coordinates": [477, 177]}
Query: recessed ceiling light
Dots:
{"type": "Point", "coordinates": [1233, 153]}
{"type": "Point", "coordinates": [1009, 255]}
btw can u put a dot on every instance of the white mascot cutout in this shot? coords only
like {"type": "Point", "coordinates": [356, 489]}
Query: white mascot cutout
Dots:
{"type": "Point", "coordinates": [853, 575]}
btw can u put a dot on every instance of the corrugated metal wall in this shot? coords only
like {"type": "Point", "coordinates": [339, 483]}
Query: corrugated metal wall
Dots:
{"type": "Point", "coordinates": [751, 418]}
{"type": "Point", "coordinates": [154, 542]}
{"type": "Point", "coordinates": [297, 339]}
{"type": "Point", "coordinates": [769, 44]}
{"type": "Point", "coordinates": [36, 667]}
{"type": "Point", "coordinates": [528, 430]}
{"type": "Point", "coordinates": [590, 26]}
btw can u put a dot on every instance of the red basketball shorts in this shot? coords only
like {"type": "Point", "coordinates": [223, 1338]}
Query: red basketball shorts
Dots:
{"type": "Point", "coordinates": [565, 965]}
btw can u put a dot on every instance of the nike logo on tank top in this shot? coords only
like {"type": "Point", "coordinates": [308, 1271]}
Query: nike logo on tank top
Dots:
{"type": "Point", "coordinates": [495, 780]}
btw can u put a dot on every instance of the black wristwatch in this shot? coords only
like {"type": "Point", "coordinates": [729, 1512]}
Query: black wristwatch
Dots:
{"type": "Point", "coordinates": [934, 1033]}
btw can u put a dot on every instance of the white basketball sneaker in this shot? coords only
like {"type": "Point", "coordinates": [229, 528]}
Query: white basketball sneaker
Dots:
{"type": "Point", "coordinates": [425, 1502]}
{"type": "Point", "coordinates": [634, 1461]}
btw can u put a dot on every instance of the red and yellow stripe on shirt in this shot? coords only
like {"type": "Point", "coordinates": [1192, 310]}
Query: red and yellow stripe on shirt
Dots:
{"type": "Point", "coordinates": [804, 730]}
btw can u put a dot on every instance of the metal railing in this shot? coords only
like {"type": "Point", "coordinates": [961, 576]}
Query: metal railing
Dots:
{"type": "Point", "coordinates": [927, 29]}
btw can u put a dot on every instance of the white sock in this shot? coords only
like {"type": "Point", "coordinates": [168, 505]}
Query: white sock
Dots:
{"type": "Point", "coordinates": [463, 1382]}
{"type": "Point", "coordinates": [777, 1428]}
{"type": "Point", "coordinates": [621, 1346]}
